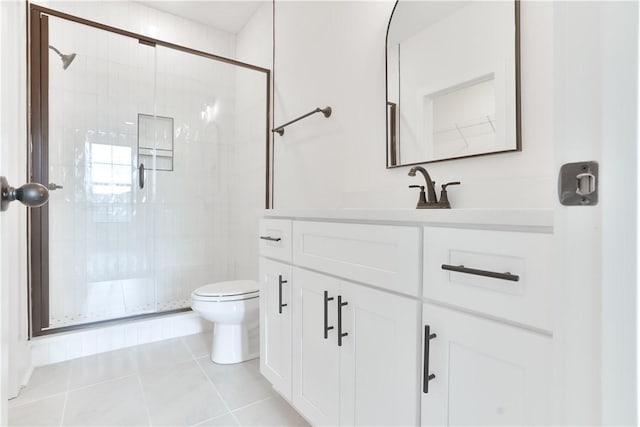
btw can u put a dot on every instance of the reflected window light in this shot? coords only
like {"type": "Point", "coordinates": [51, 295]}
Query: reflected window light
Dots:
{"type": "Point", "coordinates": [110, 169]}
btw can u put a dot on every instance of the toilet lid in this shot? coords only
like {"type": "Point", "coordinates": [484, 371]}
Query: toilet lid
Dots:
{"type": "Point", "coordinates": [230, 288]}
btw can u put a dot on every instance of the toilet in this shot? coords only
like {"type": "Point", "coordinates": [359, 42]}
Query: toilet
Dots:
{"type": "Point", "coordinates": [233, 308]}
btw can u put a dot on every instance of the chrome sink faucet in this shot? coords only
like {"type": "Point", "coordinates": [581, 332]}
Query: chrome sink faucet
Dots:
{"type": "Point", "coordinates": [431, 200]}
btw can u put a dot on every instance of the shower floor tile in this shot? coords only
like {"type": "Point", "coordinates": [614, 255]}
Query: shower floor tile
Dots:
{"type": "Point", "coordinates": [125, 388]}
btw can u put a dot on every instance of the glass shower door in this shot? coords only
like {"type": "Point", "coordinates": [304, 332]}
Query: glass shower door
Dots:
{"type": "Point", "coordinates": [156, 158]}
{"type": "Point", "coordinates": [101, 223]}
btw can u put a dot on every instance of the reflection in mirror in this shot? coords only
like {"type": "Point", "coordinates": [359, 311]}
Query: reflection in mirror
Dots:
{"type": "Point", "coordinates": [452, 80]}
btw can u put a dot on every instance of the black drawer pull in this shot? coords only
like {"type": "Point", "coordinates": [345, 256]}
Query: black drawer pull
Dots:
{"type": "Point", "coordinates": [327, 328]}
{"type": "Point", "coordinates": [485, 273]}
{"type": "Point", "coordinates": [271, 239]}
{"type": "Point", "coordinates": [280, 304]}
{"type": "Point", "coordinates": [340, 333]}
{"type": "Point", "coordinates": [428, 336]}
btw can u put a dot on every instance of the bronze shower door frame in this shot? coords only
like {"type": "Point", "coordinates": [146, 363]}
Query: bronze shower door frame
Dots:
{"type": "Point", "coordinates": [38, 221]}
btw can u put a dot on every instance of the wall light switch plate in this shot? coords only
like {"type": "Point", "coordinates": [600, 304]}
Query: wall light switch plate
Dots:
{"type": "Point", "coordinates": [578, 184]}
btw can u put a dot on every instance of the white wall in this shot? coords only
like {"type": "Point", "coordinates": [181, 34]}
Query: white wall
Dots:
{"type": "Point", "coordinates": [332, 53]}
{"type": "Point", "coordinates": [247, 185]}
{"type": "Point", "coordinates": [596, 110]}
{"type": "Point", "coordinates": [253, 42]}
{"type": "Point", "coordinates": [620, 329]}
{"type": "Point", "coordinates": [14, 151]}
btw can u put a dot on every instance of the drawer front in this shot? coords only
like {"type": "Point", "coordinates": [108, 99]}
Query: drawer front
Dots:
{"type": "Point", "coordinates": [275, 238]}
{"type": "Point", "coordinates": [480, 253]}
{"type": "Point", "coordinates": [380, 255]}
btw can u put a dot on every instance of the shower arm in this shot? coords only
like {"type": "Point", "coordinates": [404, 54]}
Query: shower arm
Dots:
{"type": "Point", "coordinates": [56, 51]}
{"type": "Point", "coordinates": [280, 129]}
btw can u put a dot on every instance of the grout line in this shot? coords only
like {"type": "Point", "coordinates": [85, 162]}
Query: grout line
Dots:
{"type": "Point", "coordinates": [30, 401]}
{"type": "Point", "coordinates": [193, 355]}
{"type": "Point", "coordinates": [144, 399]}
{"type": "Point", "coordinates": [252, 403]}
{"type": "Point", "coordinates": [211, 419]}
{"type": "Point", "coordinates": [66, 395]}
{"type": "Point", "coordinates": [64, 408]}
{"type": "Point", "coordinates": [224, 402]}
{"type": "Point", "coordinates": [101, 382]}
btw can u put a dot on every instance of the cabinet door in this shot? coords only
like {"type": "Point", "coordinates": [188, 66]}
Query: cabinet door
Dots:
{"type": "Point", "coordinates": [379, 358]}
{"type": "Point", "coordinates": [275, 319]}
{"type": "Point", "coordinates": [316, 369]}
{"type": "Point", "coordinates": [486, 372]}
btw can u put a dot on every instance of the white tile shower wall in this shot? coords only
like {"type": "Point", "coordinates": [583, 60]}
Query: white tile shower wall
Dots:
{"type": "Point", "coordinates": [71, 345]}
{"type": "Point", "coordinates": [194, 197]}
{"type": "Point", "coordinates": [136, 250]}
{"type": "Point", "coordinates": [140, 19]}
{"type": "Point", "coordinates": [332, 53]}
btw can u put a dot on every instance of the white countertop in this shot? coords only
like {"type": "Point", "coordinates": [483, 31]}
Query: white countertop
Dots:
{"type": "Point", "coordinates": [535, 220]}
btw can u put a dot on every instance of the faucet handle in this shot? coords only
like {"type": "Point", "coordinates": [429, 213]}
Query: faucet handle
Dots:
{"type": "Point", "coordinates": [444, 198]}
{"type": "Point", "coordinates": [444, 186]}
{"type": "Point", "coordinates": [422, 200]}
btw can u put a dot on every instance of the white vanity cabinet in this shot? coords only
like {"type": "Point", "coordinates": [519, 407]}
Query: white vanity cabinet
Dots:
{"type": "Point", "coordinates": [345, 348]}
{"type": "Point", "coordinates": [354, 353]}
{"type": "Point", "coordinates": [363, 297]}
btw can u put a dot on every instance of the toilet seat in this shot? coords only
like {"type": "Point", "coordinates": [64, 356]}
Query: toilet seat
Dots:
{"type": "Point", "coordinates": [233, 290]}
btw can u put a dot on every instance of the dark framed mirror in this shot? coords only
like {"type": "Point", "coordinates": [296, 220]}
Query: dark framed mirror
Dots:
{"type": "Point", "coordinates": [453, 80]}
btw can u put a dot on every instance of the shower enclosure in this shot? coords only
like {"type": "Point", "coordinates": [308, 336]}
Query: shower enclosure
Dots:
{"type": "Point", "coordinates": [156, 157]}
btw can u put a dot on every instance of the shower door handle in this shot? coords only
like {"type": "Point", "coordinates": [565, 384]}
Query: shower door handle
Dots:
{"type": "Point", "coordinates": [53, 186]}
{"type": "Point", "coordinates": [141, 175]}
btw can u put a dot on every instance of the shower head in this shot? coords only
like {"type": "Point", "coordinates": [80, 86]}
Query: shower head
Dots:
{"type": "Point", "coordinates": [66, 59]}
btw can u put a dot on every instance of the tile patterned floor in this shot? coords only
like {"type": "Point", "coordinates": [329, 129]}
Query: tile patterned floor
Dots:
{"type": "Point", "coordinates": [167, 383]}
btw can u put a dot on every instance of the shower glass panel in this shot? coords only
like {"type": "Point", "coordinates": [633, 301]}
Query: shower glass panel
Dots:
{"type": "Point", "coordinates": [101, 263]}
{"type": "Point", "coordinates": [159, 160]}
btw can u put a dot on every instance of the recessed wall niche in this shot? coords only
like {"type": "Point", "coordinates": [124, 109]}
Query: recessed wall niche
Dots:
{"type": "Point", "coordinates": [155, 142]}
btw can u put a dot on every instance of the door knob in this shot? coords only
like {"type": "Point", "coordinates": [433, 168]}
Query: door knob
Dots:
{"type": "Point", "coordinates": [31, 194]}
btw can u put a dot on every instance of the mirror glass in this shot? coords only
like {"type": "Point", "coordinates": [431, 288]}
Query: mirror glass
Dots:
{"type": "Point", "coordinates": [452, 80]}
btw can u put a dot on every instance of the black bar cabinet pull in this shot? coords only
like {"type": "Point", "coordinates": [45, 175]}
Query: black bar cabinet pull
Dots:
{"type": "Point", "coordinates": [327, 328]}
{"type": "Point", "coordinates": [485, 273]}
{"type": "Point", "coordinates": [428, 336]}
{"type": "Point", "coordinates": [340, 333]}
{"type": "Point", "coordinates": [141, 175]}
{"type": "Point", "coordinates": [280, 283]}
{"type": "Point", "coordinates": [271, 239]}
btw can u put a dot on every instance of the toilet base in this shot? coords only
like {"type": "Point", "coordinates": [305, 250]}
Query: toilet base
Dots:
{"type": "Point", "coordinates": [232, 344]}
